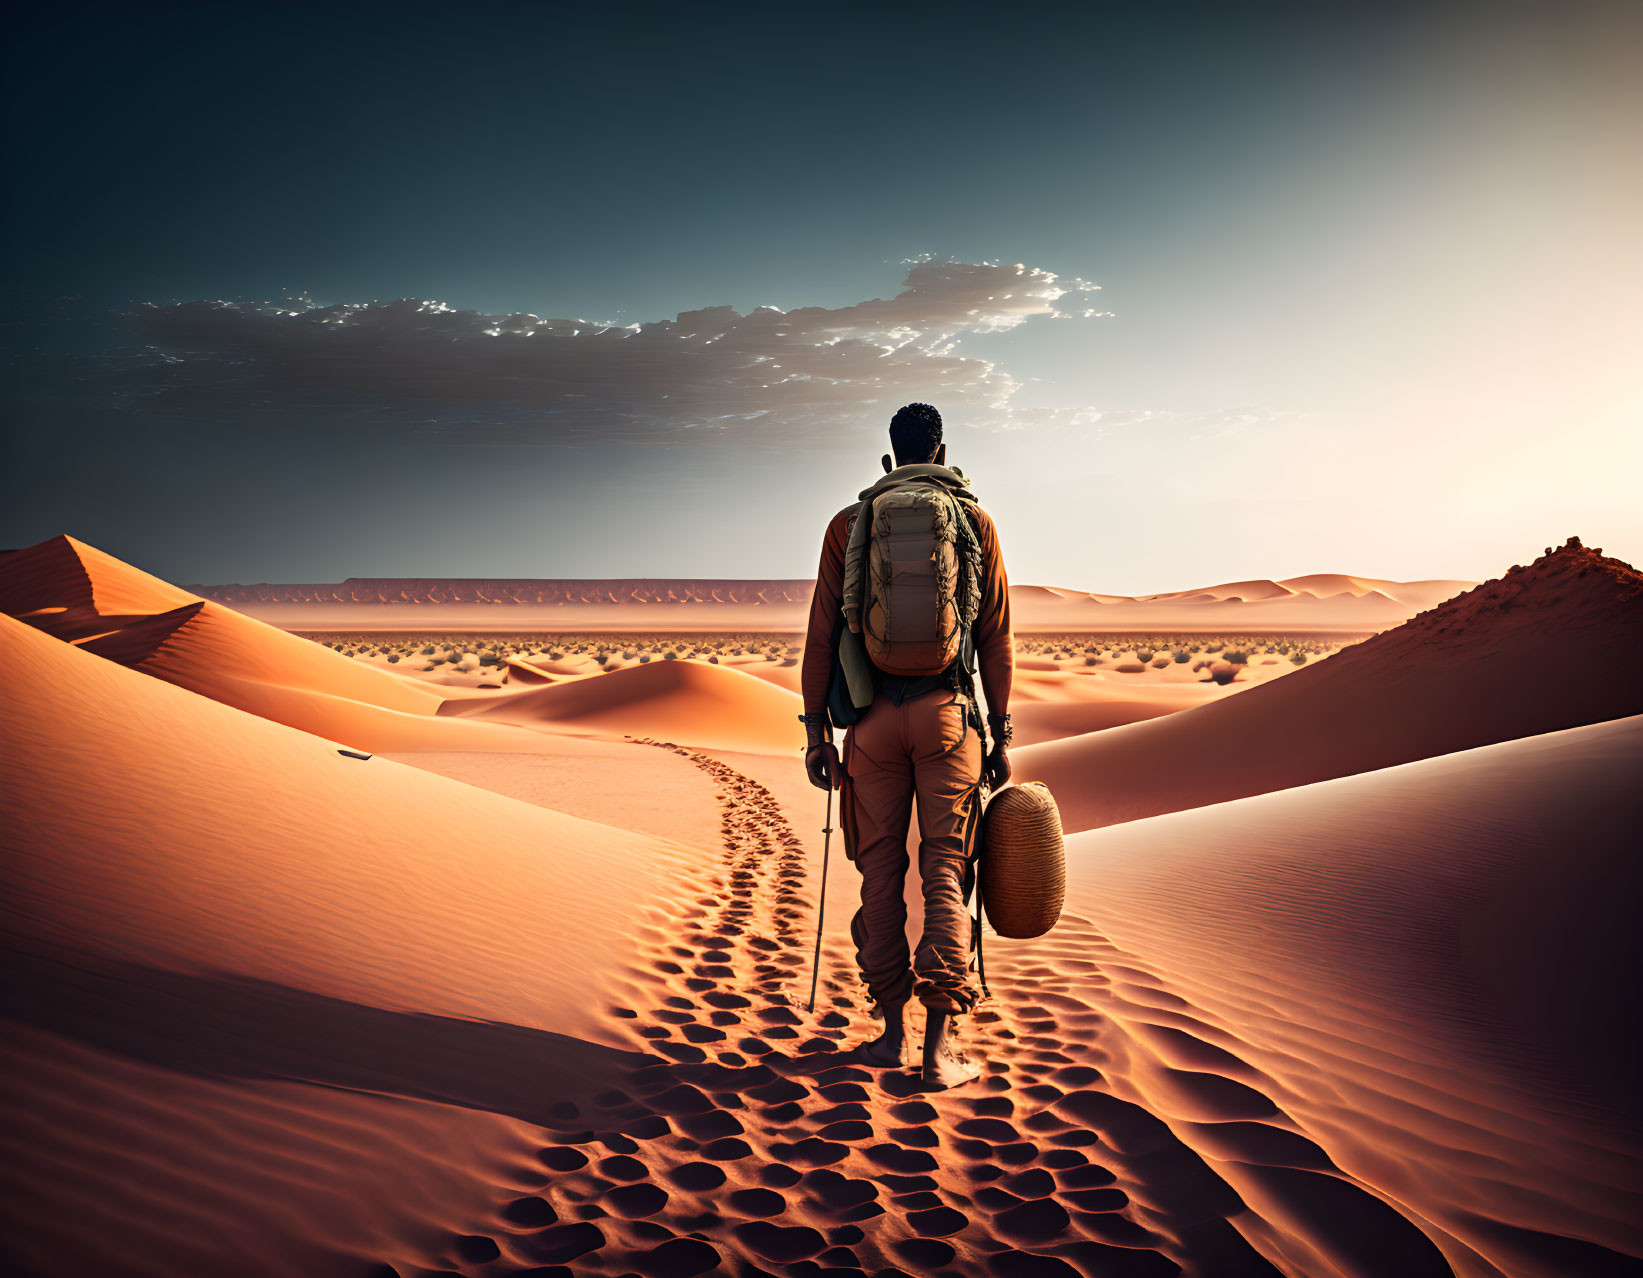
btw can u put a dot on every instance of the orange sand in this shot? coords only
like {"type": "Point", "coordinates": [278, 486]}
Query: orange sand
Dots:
{"type": "Point", "coordinates": [1383, 1009]}
{"type": "Point", "coordinates": [275, 1011]}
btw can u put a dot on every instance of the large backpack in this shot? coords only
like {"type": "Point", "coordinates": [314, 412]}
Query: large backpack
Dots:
{"type": "Point", "coordinates": [912, 570]}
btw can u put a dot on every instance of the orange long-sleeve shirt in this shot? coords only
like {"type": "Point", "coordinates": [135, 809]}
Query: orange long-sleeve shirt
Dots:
{"type": "Point", "coordinates": [994, 642]}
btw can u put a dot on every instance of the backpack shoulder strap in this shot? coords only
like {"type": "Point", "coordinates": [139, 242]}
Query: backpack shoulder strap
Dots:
{"type": "Point", "coordinates": [854, 595]}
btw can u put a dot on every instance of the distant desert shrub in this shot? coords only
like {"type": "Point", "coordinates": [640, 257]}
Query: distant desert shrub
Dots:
{"type": "Point", "coordinates": [1223, 672]}
{"type": "Point", "coordinates": [670, 655]}
{"type": "Point", "coordinates": [393, 658]}
{"type": "Point", "coordinates": [1237, 658]}
{"type": "Point", "coordinates": [1182, 656]}
{"type": "Point", "coordinates": [713, 660]}
{"type": "Point", "coordinates": [1160, 663]}
{"type": "Point", "coordinates": [1092, 661]}
{"type": "Point", "coordinates": [1143, 655]}
{"type": "Point", "coordinates": [628, 654]}
{"type": "Point", "coordinates": [645, 658]}
{"type": "Point", "coordinates": [1297, 658]}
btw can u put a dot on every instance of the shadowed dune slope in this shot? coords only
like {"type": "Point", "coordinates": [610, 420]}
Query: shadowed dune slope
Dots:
{"type": "Point", "coordinates": [689, 702]}
{"type": "Point", "coordinates": [1405, 989]}
{"type": "Point", "coordinates": [1545, 647]}
{"type": "Point", "coordinates": [206, 911]}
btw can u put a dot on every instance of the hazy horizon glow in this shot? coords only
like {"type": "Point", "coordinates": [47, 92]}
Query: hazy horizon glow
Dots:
{"type": "Point", "coordinates": [1203, 297]}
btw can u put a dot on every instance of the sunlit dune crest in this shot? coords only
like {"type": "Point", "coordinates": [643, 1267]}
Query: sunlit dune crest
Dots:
{"type": "Point", "coordinates": [685, 701]}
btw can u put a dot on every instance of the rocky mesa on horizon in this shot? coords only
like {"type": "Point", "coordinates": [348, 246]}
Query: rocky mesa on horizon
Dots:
{"type": "Point", "coordinates": [1324, 600]}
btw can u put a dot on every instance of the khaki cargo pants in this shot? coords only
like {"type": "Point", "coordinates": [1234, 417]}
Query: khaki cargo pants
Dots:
{"type": "Point", "coordinates": [926, 751]}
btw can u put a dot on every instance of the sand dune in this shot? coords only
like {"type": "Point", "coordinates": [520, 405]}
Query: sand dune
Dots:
{"type": "Point", "coordinates": [79, 594]}
{"type": "Point", "coordinates": [1040, 721]}
{"type": "Point", "coordinates": [1380, 1009]}
{"type": "Point", "coordinates": [689, 702]}
{"type": "Point", "coordinates": [1419, 594]}
{"type": "Point", "coordinates": [1321, 585]}
{"type": "Point", "coordinates": [1546, 647]}
{"type": "Point", "coordinates": [94, 597]}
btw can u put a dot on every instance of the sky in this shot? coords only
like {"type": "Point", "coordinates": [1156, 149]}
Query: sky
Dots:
{"type": "Point", "coordinates": [1204, 292]}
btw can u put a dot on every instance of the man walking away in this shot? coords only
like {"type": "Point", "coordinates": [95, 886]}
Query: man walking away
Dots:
{"type": "Point", "coordinates": [908, 600]}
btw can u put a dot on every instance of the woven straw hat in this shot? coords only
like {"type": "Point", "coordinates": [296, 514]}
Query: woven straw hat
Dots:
{"type": "Point", "coordinates": [1023, 861]}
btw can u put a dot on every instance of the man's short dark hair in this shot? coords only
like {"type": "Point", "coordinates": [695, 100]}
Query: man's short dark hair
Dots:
{"type": "Point", "coordinates": [915, 432]}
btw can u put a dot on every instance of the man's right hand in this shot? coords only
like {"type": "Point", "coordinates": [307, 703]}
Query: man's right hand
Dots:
{"type": "Point", "coordinates": [821, 758]}
{"type": "Point", "coordinates": [996, 765]}
{"type": "Point", "coordinates": [822, 766]}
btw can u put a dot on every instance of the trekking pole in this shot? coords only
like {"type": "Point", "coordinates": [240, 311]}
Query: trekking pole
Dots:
{"type": "Point", "coordinates": [821, 909]}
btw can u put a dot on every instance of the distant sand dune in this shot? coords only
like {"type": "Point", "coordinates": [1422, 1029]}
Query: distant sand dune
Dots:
{"type": "Point", "coordinates": [685, 701]}
{"type": "Point", "coordinates": [222, 654]}
{"type": "Point", "coordinates": [1547, 647]}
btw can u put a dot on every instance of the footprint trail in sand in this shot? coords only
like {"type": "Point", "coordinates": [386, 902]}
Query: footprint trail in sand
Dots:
{"type": "Point", "coordinates": [743, 1146]}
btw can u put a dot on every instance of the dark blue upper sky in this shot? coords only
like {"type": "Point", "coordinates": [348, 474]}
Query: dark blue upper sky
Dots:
{"type": "Point", "coordinates": [1287, 208]}
{"type": "Point", "coordinates": [648, 158]}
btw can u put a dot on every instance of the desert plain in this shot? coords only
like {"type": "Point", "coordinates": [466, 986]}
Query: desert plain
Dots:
{"type": "Point", "coordinates": [425, 928]}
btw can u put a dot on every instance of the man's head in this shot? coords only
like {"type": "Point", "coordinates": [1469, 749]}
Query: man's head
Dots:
{"type": "Point", "coordinates": [915, 434]}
